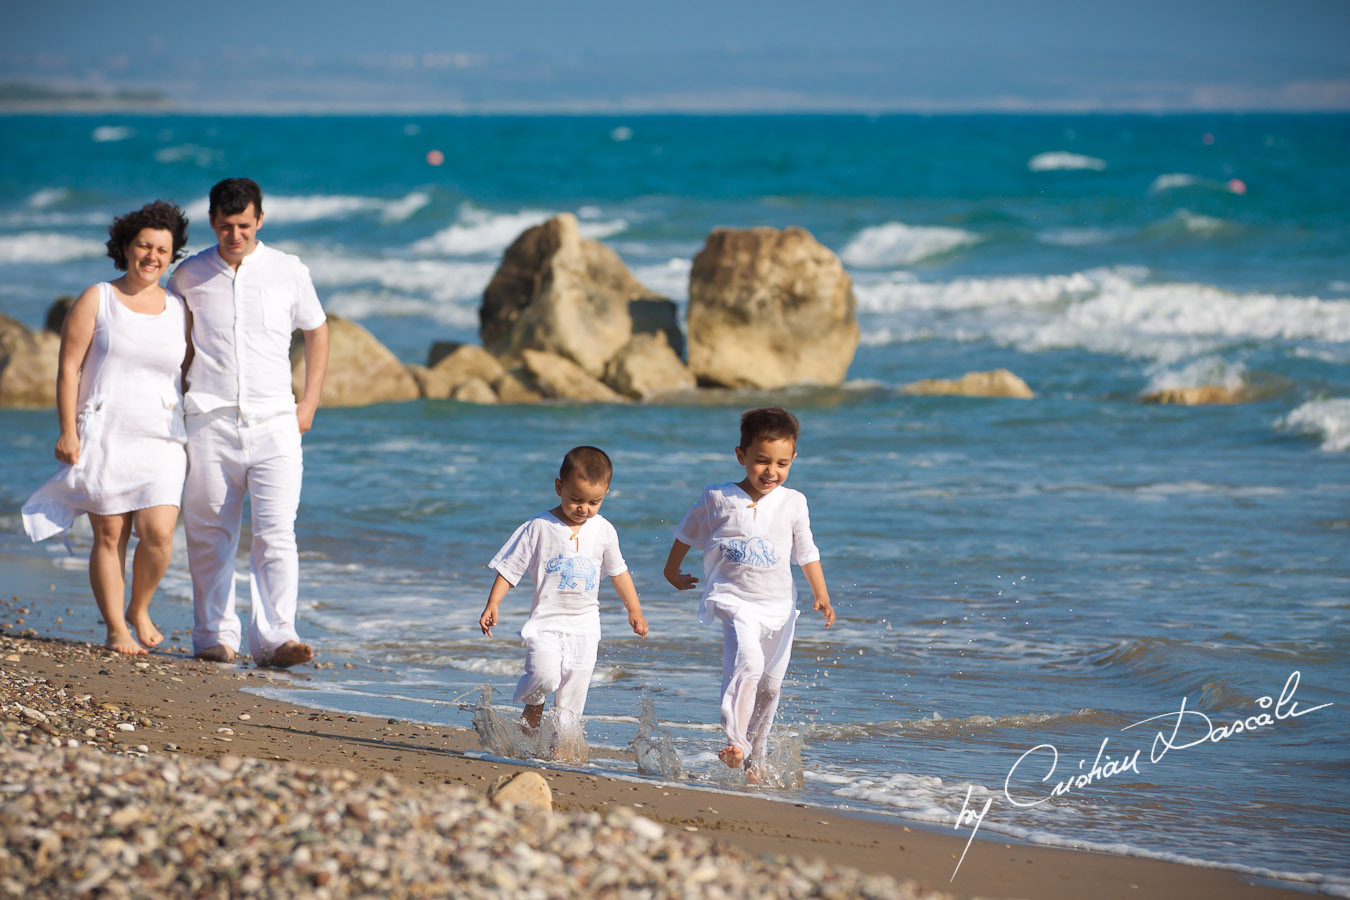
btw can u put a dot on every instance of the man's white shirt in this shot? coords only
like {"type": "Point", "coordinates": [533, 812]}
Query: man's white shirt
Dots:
{"type": "Point", "coordinates": [242, 322]}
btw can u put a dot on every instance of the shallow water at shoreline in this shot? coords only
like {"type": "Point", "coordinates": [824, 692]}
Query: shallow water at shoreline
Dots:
{"type": "Point", "coordinates": [1007, 574]}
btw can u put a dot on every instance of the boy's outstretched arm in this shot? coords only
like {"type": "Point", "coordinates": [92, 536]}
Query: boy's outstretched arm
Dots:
{"type": "Point", "coordinates": [681, 580]}
{"type": "Point", "coordinates": [623, 583]}
{"type": "Point", "coordinates": [815, 576]}
{"type": "Point", "coordinates": [489, 616]}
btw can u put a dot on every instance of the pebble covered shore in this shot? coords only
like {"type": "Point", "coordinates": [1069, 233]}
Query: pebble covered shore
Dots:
{"type": "Point", "coordinates": [85, 814]}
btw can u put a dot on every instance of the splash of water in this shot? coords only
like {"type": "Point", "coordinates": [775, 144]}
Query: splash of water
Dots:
{"type": "Point", "coordinates": [502, 732]}
{"type": "Point", "coordinates": [652, 748]}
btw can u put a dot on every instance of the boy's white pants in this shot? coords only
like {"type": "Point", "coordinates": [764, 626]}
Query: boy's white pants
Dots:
{"type": "Point", "coordinates": [561, 664]}
{"type": "Point", "coordinates": [227, 458]}
{"type": "Point", "coordinates": [754, 661]}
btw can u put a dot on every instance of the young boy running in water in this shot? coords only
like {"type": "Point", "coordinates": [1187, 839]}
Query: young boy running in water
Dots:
{"type": "Point", "coordinates": [565, 550]}
{"type": "Point", "coordinates": [750, 532]}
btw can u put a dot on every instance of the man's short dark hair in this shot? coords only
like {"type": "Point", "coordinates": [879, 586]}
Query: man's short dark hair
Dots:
{"type": "Point", "coordinates": [768, 423]}
{"type": "Point", "coordinates": [590, 464]}
{"type": "Point", "coordinates": [161, 215]}
{"type": "Point", "coordinates": [233, 195]}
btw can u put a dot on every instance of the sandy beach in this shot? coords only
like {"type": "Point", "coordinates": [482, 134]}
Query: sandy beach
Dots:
{"type": "Point", "coordinates": [86, 734]}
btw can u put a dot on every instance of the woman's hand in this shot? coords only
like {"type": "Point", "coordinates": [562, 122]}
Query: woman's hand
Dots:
{"type": "Point", "coordinates": [68, 448]}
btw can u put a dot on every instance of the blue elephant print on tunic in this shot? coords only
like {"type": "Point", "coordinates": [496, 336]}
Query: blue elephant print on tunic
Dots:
{"type": "Point", "coordinates": [576, 573]}
{"type": "Point", "coordinates": [755, 551]}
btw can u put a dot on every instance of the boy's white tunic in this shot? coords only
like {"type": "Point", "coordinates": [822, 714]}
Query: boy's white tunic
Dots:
{"type": "Point", "coordinates": [243, 437]}
{"type": "Point", "coordinates": [748, 549]}
{"type": "Point", "coordinates": [563, 629]}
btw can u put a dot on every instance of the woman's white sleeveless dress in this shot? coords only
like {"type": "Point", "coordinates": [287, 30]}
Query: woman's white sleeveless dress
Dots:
{"type": "Point", "coordinates": [132, 438]}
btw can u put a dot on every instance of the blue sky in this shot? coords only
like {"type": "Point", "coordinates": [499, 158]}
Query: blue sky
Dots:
{"type": "Point", "coordinates": [606, 55]}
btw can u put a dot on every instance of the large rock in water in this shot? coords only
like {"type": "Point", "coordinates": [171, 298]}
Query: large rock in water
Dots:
{"type": "Point", "coordinates": [1199, 395]}
{"type": "Point", "coordinates": [998, 383]}
{"type": "Point", "coordinates": [769, 308]}
{"type": "Point", "coordinates": [559, 378]}
{"type": "Point", "coordinates": [561, 293]}
{"type": "Point", "coordinates": [361, 370]}
{"type": "Point", "coordinates": [647, 366]}
{"type": "Point", "coordinates": [28, 364]}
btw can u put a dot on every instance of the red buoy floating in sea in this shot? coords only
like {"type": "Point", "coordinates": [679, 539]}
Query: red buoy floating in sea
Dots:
{"type": "Point", "coordinates": [1236, 185]}
{"type": "Point", "coordinates": [435, 157]}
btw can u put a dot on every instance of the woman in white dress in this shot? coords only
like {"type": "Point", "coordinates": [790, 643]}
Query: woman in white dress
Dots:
{"type": "Point", "coordinates": [122, 442]}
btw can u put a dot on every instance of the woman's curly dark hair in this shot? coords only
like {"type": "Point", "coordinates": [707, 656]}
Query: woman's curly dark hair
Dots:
{"type": "Point", "coordinates": [161, 215]}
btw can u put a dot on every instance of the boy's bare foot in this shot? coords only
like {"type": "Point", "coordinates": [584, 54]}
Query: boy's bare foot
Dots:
{"type": "Point", "coordinates": [534, 714]}
{"type": "Point", "coordinates": [219, 653]}
{"type": "Point", "coordinates": [754, 775]}
{"type": "Point", "coordinates": [291, 653]}
{"type": "Point", "coordinates": [123, 642]}
{"type": "Point", "coordinates": [148, 634]}
{"type": "Point", "coordinates": [731, 755]}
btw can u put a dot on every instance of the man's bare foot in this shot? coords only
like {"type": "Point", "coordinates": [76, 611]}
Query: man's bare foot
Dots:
{"type": "Point", "coordinates": [731, 755]}
{"type": "Point", "coordinates": [147, 633]}
{"type": "Point", "coordinates": [219, 653]}
{"type": "Point", "coordinates": [291, 653]}
{"type": "Point", "coordinates": [123, 642]}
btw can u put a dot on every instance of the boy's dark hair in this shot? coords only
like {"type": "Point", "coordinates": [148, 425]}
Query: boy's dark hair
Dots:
{"type": "Point", "coordinates": [587, 463]}
{"type": "Point", "coordinates": [160, 215]}
{"type": "Point", "coordinates": [233, 195]}
{"type": "Point", "coordinates": [768, 423]}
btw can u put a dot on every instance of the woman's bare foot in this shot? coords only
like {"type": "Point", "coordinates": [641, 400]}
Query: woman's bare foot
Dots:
{"type": "Point", "coordinates": [291, 653]}
{"type": "Point", "coordinates": [731, 755]}
{"type": "Point", "coordinates": [123, 642]}
{"type": "Point", "coordinates": [219, 653]}
{"type": "Point", "coordinates": [146, 632]}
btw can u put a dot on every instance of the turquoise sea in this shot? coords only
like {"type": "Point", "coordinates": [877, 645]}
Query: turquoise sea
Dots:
{"type": "Point", "coordinates": [1019, 584]}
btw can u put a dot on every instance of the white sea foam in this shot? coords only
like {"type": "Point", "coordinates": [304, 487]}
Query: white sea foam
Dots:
{"type": "Point", "coordinates": [1174, 180]}
{"type": "Point", "coordinates": [669, 279]}
{"type": "Point", "coordinates": [35, 247]}
{"type": "Point", "coordinates": [314, 208]}
{"type": "Point", "coordinates": [479, 231]}
{"type": "Point", "coordinates": [898, 244]}
{"type": "Point", "coordinates": [1327, 418]}
{"type": "Point", "coordinates": [193, 153]}
{"type": "Point", "coordinates": [47, 197]}
{"type": "Point", "coordinates": [621, 134]}
{"type": "Point", "coordinates": [439, 281]}
{"type": "Point", "coordinates": [1196, 223]}
{"type": "Point", "coordinates": [1061, 160]}
{"type": "Point", "coordinates": [404, 207]}
{"type": "Point", "coordinates": [1074, 237]}
{"type": "Point", "coordinates": [1105, 311]}
{"type": "Point", "coordinates": [360, 305]}
{"type": "Point", "coordinates": [1206, 370]}
{"type": "Point", "coordinates": [105, 134]}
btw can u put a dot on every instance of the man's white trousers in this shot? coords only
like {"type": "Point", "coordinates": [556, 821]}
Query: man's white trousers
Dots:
{"type": "Point", "coordinates": [227, 458]}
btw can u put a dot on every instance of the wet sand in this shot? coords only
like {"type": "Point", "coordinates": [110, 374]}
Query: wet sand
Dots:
{"type": "Point", "coordinates": [188, 711]}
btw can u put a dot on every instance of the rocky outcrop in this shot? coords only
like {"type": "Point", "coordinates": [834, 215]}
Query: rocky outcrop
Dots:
{"type": "Point", "coordinates": [558, 292]}
{"type": "Point", "coordinates": [998, 383]}
{"type": "Point", "coordinates": [28, 364]}
{"type": "Point", "coordinates": [769, 308]}
{"type": "Point", "coordinates": [1200, 395]}
{"type": "Point", "coordinates": [647, 366]}
{"type": "Point", "coordinates": [466, 363]}
{"type": "Point", "coordinates": [361, 370]}
{"type": "Point", "coordinates": [558, 378]}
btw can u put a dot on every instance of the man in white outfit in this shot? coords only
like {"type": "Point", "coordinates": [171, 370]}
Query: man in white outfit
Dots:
{"type": "Point", "coordinates": [244, 426]}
